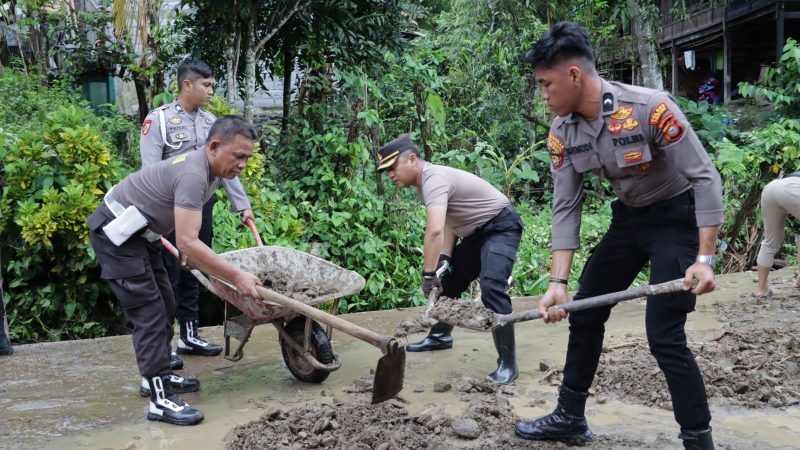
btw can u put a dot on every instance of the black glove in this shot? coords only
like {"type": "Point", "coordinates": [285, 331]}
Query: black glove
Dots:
{"type": "Point", "coordinates": [431, 281]}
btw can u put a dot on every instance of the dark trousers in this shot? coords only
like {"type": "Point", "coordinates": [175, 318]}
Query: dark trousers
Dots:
{"type": "Point", "coordinates": [665, 234]}
{"type": "Point", "coordinates": [184, 285]}
{"type": "Point", "coordinates": [488, 255]}
{"type": "Point", "coordinates": [136, 274]}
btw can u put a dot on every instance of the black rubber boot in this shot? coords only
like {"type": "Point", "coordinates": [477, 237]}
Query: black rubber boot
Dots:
{"type": "Point", "coordinates": [506, 371]}
{"type": "Point", "coordinates": [191, 343]}
{"type": "Point", "coordinates": [179, 384]}
{"type": "Point", "coordinates": [5, 344]}
{"type": "Point", "coordinates": [437, 339]}
{"type": "Point", "coordinates": [566, 423]}
{"type": "Point", "coordinates": [167, 406]}
{"type": "Point", "coordinates": [697, 439]}
{"type": "Point", "coordinates": [175, 363]}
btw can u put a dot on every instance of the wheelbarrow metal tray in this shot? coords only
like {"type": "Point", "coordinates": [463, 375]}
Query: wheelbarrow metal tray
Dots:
{"type": "Point", "coordinates": [296, 274]}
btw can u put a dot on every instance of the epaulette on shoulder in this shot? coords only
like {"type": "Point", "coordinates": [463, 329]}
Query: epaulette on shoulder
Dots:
{"type": "Point", "coordinates": [635, 94]}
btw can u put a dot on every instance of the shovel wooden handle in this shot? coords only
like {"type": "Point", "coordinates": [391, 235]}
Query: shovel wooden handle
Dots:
{"type": "Point", "coordinates": [386, 344]}
{"type": "Point", "coordinates": [594, 302]}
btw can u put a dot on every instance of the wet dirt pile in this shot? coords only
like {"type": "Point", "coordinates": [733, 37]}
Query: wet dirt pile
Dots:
{"type": "Point", "coordinates": [487, 422]}
{"type": "Point", "coordinates": [463, 313]}
{"type": "Point", "coordinates": [753, 362]}
{"type": "Point", "coordinates": [411, 326]}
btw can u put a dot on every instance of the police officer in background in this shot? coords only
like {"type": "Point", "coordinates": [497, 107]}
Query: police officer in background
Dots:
{"type": "Point", "coordinates": [174, 129]}
{"type": "Point", "coordinates": [668, 211]}
{"type": "Point", "coordinates": [125, 235]}
{"type": "Point", "coordinates": [461, 206]}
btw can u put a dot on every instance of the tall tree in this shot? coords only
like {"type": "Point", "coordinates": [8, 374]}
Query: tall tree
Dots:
{"type": "Point", "coordinates": [644, 20]}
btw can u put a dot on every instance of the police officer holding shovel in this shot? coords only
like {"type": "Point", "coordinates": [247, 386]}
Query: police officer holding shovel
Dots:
{"type": "Point", "coordinates": [461, 206]}
{"type": "Point", "coordinates": [125, 234]}
{"type": "Point", "coordinates": [174, 129]}
{"type": "Point", "coordinates": [668, 213]}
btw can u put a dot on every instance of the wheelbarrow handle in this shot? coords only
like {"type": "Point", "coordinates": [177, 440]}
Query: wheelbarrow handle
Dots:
{"type": "Point", "coordinates": [386, 344]}
{"type": "Point", "coordinates": [252, 225]}
{"type": "Point", "coordinates": [197, 274]}
{"type": "Point", "coordinates": [600, 300]}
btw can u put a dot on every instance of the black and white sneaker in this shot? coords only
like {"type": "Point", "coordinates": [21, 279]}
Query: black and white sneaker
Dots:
{"type": "Point", "coordinates": [167, 406]}
{"type": "Point", "coordinates": [179, 384]}
{"type": "Point", "coordinates": [190, 342]}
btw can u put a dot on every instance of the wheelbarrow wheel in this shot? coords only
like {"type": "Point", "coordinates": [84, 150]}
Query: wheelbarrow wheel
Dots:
{"type": "Point", "coordinates": [320, 348]}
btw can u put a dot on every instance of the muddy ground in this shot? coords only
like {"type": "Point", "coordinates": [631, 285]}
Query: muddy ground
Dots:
{"type": "Point", "coordinates": [752, 362]}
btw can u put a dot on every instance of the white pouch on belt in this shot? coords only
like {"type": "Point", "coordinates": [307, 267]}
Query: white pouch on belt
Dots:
{"type": "Point", "coordinates": [122, 228]}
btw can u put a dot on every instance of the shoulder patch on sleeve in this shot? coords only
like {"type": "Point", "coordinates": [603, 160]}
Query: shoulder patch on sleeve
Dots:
{"type": "Point", "coordinates": [556, 147]}
{"type": "Point", "coordinates": [146, 126]}
{"type": "Point", "coordinates": [658, 111]}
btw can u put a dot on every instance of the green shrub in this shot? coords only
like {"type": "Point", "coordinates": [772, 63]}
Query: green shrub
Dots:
{"type": "Point", "coordinates": [58, 157]}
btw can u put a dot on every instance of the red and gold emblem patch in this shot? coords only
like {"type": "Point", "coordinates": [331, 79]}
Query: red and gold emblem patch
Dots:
{"type": "Point", "coordinates": [556, 147]}
{"type": "Point", "coordinates": [555, 144]}
{"type": "Point", "coordinates": [633, 156]}
{"type": "Point", "coordinates": [146, 126]}
{"type": "Point", "coordinates": [644, 167]}
{"type": "Point", "coordinates": [557, 160]}
{"type": "Point", "coordinates": [615, 126]}
{"type": "Point", "coordinates": [672, 130]}
{"type": "Point", "coordinates": [623, 112]}
{"type": "Point", "coordinates": [658, 111]}
{"type": "Point", "coordinates": [630, 124]}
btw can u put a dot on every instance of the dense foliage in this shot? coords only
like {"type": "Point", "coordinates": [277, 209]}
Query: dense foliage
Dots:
{"type": "Point", "coordinates": [57, 157]}
{"type": "Point", "coordinates": [447, 72]}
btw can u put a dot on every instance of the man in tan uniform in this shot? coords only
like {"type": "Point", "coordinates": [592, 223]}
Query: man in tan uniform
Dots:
{"type": "Point", "coordinates": [779, 199]}
{"type": "Point", "coordinates": [174, 129]}
{"type": "Point", "coordinates": [461, 206]}
{"type": "Point", "coordinates": [125, 234]}
{"type": "Point", "coordinates": [668, 213]}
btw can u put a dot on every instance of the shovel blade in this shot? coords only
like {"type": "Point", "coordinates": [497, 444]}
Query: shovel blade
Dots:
{"type": "Point", "coordinates": [389, 376]}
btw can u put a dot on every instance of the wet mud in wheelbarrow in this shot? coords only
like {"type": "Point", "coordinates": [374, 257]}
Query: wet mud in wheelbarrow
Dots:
{"type": "Point", "coordinates": [294, 283]}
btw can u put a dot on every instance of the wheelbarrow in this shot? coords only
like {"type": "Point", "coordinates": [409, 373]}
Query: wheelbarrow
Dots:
{"type": "Point", "coordinates": [294, 282]}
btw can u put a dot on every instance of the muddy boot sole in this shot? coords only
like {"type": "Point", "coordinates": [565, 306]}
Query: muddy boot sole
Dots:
{"type": "Point", "coordinates": [569, 439]}
{"type": "Point", "coordinates": [181, 422]}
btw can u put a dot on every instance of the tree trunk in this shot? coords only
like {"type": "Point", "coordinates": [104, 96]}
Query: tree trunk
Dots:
{"type": "Point", "coordinates": [374, 138]}
{"type": "Point", "coordinates": [141, 97]}
{"type": "Point", "coordinates": [424, 123]}
{"type": "Point", "coordinates": [288, 65]}
{"type": "Point", "coordinates": [230, 69]}
{"type": "Point", "coordinates": [643, 29]}
{"type": "Point", "coordinates": [250, 71]}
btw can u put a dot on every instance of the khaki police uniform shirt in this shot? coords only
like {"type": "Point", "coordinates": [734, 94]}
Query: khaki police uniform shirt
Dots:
{"type": "Point", "coordinates": [183, 133]}
{"type": "Point", "coordinates": [470, 200]}
{"type": "Point", "coordinates": [183, 180]}
{"type": "Point", "coordinates": [642, 143]}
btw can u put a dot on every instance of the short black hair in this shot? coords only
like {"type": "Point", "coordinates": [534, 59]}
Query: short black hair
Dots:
{"type": "Point", "coordinates": [564, 40]}
{"type": "Point", "coordinates": [226, 128]}
{"type": "Point", "coordinates": [193, 70]}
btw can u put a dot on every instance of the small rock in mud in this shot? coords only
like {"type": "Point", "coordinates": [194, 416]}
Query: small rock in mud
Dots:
{"type": "Point", "coordinates": [463, 313]}
{"type": "Point", "coordinates": [466, 428]}
{"type": "Point", "coordinates": [502, 401]}
{"type": "Point", "coordinates": [419, 389]}
{"type": "Point", "coordinates": [326, 393]}
{"type": "Point", "coordinates": [409, 327]}
{"type": "Point", "coordinates": [442, 386]}
{"type": "Point", "coordinates": [775, 402]}
{"type": "Point", "coordinates": [546, 364]}
{"type": "Point", "coordinates": [741, 388]}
